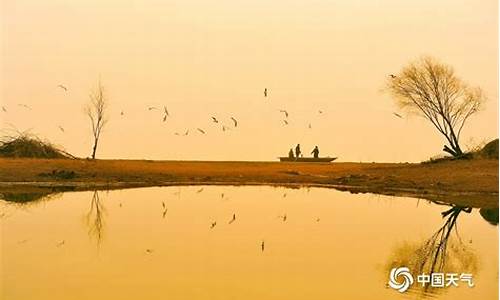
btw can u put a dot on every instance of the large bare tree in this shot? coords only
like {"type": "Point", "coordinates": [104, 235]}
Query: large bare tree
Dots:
{"type": "Point", "coordinates": [96, 111]}
{"type": "Point", "coordinates": [431, 89]}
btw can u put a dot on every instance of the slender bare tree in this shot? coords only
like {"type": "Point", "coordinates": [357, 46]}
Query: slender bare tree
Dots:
{"type": "Point", "coordinates": [96, 111]}
{"type": "Point", "coordinates": [431, 89]}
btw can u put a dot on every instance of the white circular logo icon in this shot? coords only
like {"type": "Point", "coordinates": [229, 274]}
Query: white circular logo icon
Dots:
{"type": "Point", "coordinates": [400, 272]}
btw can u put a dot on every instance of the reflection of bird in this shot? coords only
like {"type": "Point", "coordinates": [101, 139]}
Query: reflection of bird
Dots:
{"type": "Point", "coordinates": [63, 87]}
{"type": "Point", "coordinates": [262, 246]}
{"type": "Point", "coordinates": [213, 224]}
{"type": "Point", "coordinates": [24, 105]}
{"type": "Point", "coordinates": [61, 128]}
{"type": "Point", "coordinates": [199, 191]}
{"type": "Point", "coordinates": [233, 219]}
{"type": "Point", "coordinates": [201, 130]}
{"type": "Point", "coordinates": [60, 243]}
{"type": "Point", "coordinates": [265, 92]}
{"type": "Point", "coordinates": [214, 119]}
{"type": "Point", "coordinates": [398, 115]}
{"type": "Point", "coordinates": [4, 109]}
{"type": "Point", "coordinates": [392, 76]}
{"type": "Point", "coordinates": [285, 112]}
{"type": "Point", "coordinates": [285, 122]}
{"type": "Point", "coordinates": [235, 122]}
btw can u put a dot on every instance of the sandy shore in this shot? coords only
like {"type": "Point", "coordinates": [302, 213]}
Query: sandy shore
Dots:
{"type": "Point", "coordinates": [473, 182]}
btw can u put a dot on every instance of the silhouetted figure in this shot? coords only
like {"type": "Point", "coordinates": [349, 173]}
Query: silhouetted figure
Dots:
{"type": "Point", "coordinates": [290, 154]}
{"type": "Point", "coordinates": [315, 152]}
{"type": "Point", "coordinates": [297, 151]}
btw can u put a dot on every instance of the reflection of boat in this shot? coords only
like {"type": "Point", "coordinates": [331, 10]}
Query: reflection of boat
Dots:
{"type": "Point", "coordinates": [307, 159]}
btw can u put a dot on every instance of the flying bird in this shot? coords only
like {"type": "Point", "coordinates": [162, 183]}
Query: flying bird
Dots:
{"type": "Point", "coordinates": [152, 108]}
{"type": "Point", "coordinates": [121, 113]}
{"type": "Point", "coordinates": [233, 219]}
{"type": "Point", "coordinates": [224, 128]}
{"type": "Point", "coordinates": [235, 122]}
{"type": "Point", "coordinates": [392, 76]}
{"type": "Point", "coordinates": [262, 246]}
{"type": "Point", "coordinates": [213, 225]}
{"type": "Point", "coordinates": [285, 112]}
{"type": "Point", "coordinates": [165, 110]}
{"type": "Point", "coordinates": [25, 106]}
{"type": "Point", "coordinates": [214, 119]}
{"type": "Point", "coordinates": [199, 191]}
{"type": "Point", "coordinates": [320, 111]}
{"type": "Point", "coordinates": [283, 217]}
{"type": "Point", "coordinates": [4, 109]}
{"type": "Point", "coordinates": [201, 130]}
{"type": "Point", "coordinates": [317, 220]}
{"type": "Point", "coordinates": [398, 115]}
{"type": "Point", "coordinates": [284, 195]}
{"type": "Point", "coordinates": [285, 122]}
{"type": "Point", "coordinates": [265, 92]}
{"type": "Point", "coordinates": [60, 243]}
{"type": "Point", "coordinates": [310, 126]}
{"type": "Point", "coordinates": [61, 128]}
{"type": "Point", "coordinates": [63, 87]}
{"type": "Point", "coordinates": [186, 133]}
{"type": "Point", "coordinates": [149, 251]}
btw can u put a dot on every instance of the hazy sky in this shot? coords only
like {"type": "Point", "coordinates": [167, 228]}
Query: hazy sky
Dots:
{"type": "Point", "coordinates": [214, 58]}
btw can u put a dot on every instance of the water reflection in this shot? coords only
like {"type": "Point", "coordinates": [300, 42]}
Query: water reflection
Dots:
{"type": "Point", "coordinates": [95, 218]}
{"type": "Point", "coordinates": [490, 215]}
{"type": "Point", "coordinates": [443, 252]}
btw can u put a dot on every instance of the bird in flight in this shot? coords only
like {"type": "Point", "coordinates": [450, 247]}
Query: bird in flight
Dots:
{"type": "Point", "coordinates": [283, 217]}
{"type": "Point", "coordinates": [201, 130]}
{"type": "Point", "coordinates": [310, 126]}
{"type": "Point", "coordinates": [4, 109]}
{"type": "Point", "coordinates": [214, 119]}
{"type": "Point", "coordinates": [233, 219]}
{"type": "Point", "coordinates": [25, 106]}
{"type": "Point", "coordinates": [60, 243]}
{"type": "Point", "coordinates": [392, 76]}
{"type": "Point", "coordinates": [149, 251]}
{"type": "Point", "coordinates": [121, 113]}
{"type": "Point", "coordinates": [186, 133]}
{"type": "Point", "coordinates": [235, 122]}
{"type": "Point", "coordinates": [224, 128]}
{"type": "Point", "coordinates": [199, 191]}
{"type": "Point", "coordinates": [213, 225]}
{"type": "Point", "coordinates": [152, 108]}
{"type": "Point", "coordinates": [285, 122]}
{"type": "Point", "coordinates": [62, 87]}
{"type": "Point", "coordinates": [61, 128]}
{"type": "Point", "coordinates": [320, 111]}
{"type": "Point", "coordinates": [265, 92]}
{"type": "Point", "coordinates": [262, 246]}
{"type": "Point", "coordinates": [165, 113]}
{"type": "Point", "coordinates": [398, 115]}
{"type": "Point", "coordinates": [285, 112]}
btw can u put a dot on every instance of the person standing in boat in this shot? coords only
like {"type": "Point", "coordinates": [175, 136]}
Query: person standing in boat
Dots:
{"type": "Point", "coordinates": [315, 152]}
{"type": "Point", "coordinates": [297, 151]}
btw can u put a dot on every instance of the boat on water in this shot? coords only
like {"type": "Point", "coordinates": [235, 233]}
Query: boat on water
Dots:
{"type": "Point", "coordinates": [307, 159]}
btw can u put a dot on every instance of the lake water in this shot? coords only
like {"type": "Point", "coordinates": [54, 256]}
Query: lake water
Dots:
{"type": "Point", "coordinates": [184, 243]}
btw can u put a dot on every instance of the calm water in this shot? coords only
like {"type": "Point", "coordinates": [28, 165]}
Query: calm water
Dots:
{"type": "Point", "coordinates": [183, 243]}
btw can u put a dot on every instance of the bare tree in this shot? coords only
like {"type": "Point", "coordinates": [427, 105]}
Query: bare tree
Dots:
{"type": "Point", "coordinates": [96, 111]}
{"type": "Point", "coordinates": [431, 89]}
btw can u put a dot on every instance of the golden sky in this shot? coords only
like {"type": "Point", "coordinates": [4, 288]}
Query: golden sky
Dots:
{"type": "Point", "coordinates": [214, 58]}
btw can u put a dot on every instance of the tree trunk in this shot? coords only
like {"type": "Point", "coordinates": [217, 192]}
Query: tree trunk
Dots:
{"type": "Point", "coordinates": [94, 149]}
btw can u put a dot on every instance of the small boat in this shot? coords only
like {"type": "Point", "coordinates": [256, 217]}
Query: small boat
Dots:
{"type": "Point", "coordinates": [307, 159]}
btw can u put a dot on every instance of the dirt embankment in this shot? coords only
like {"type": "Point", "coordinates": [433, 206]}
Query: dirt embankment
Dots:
{"type": "Point", "coordinates": [461, 180]}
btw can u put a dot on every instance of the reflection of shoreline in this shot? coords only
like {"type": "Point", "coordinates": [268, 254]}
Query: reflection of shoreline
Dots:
{"type": "Point", "coordinates": [476, 200]}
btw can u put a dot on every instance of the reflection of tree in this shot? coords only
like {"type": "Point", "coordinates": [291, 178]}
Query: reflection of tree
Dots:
{"type": "Point", "coordinates": [441, 253]}
{"type": "Point", "coordinates": [94, 218]}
